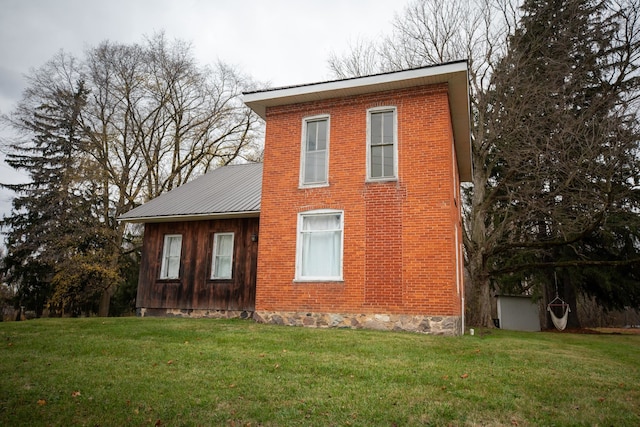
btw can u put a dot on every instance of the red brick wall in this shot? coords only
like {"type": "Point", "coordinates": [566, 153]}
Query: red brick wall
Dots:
{"type": "Point", "coordinates": [399, 241]}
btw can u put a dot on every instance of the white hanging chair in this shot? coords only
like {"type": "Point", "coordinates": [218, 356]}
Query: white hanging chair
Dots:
{"type": "Point", "coordinates": [559, 322]}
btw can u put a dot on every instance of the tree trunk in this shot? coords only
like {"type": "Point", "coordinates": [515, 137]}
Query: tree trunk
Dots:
{"type": "Point", "coordinates": [105, 302]}
{"type": "Point", "coordinates": [478, 295]}
{"type": "Point", "coordinates": [111, 287]}
{"type": "Point", "coordinates": [478, 307]}
{"type": "Point", "coordinates": [570, 298]}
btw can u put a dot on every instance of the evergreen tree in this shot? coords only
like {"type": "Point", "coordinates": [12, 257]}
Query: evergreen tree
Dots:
{"type": "Point", "coordinates": [53, 238]}
{"type": "Point", "coordinates": [565, 146]}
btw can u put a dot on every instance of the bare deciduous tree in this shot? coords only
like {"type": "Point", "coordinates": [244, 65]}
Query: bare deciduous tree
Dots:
{"type": "Point", "coordinates": [156, 120]}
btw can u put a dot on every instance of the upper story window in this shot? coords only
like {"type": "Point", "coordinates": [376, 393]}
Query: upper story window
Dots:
{"type": "Point", "coordinates": [320, 245]}
{"type": "Point", "coordinates": [222, 261]}
{"type": "Point", "coordinates": [170, 267]}
{"type": "Point", "coordinates": [315, 151]}
{"type": "Point", "coordinates": [382, 144]}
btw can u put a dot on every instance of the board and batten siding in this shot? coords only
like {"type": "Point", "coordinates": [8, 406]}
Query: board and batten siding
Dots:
{"type": "Point", "coordinates": [194, 289]}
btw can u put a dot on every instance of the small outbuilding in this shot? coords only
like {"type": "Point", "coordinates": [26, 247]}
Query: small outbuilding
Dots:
{"type": "Point", "coordinates": [518, 313]}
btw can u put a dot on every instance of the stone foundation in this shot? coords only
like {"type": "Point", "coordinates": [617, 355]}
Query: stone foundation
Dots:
{"type": "Point", "coordinates": [194, 313]}
{"type": "Point", "coordinates": [435, 325]}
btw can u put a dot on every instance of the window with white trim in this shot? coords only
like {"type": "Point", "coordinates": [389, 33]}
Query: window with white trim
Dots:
{"type": "Point", "coordinates": [382, 146]}
{"type": "Point", "coordinates": [315, 151]}
{"type": "Point", "coordinates": [320, 245]}
{"type": "Point", "coordinates": [222, 262]}
{"type": "Point", "coordinates": [171, 251]}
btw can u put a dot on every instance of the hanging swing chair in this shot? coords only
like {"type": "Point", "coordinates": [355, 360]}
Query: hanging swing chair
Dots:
{"type": "Point", "coordinates": [559, 322]}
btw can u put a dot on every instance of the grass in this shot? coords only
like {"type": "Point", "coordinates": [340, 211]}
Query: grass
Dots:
{"type": "Point", "coordinates": [132, 371]}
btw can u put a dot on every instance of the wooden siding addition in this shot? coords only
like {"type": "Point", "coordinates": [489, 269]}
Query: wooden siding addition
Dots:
{"type": "Point", "coordinates": [194, 289]}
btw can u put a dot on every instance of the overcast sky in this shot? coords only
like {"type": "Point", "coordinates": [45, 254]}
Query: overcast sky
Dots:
{"type": "Point", "coordinates": [283, 42]}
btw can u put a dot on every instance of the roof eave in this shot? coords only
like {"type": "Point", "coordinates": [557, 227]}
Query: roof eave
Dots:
{"type": "Point", "coordinates": [190, 217]}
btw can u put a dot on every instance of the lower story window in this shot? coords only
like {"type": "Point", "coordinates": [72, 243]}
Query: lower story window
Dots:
{"type": "Point", "coordinates": [320, 245]}
{"type": "Point", "coordinates": [222, 256]}
{"type": "Point", "coordinates": [170, 268]}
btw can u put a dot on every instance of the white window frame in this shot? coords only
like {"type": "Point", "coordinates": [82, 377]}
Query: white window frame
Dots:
{"type": "Point", "coordinates": [303, 151]}
{"type": "Point", "coordinates": [300, 246]}
{"type": "Point", "coordinates": [166, 256]}
{"type": "Point", "coordinates": [384, 109]}
{"type": "Point", "coordinates": [215, 255]}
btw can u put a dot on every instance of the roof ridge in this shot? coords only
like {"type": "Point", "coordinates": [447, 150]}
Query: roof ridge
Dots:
{"type": "Point", "coordinates": [384, 73]}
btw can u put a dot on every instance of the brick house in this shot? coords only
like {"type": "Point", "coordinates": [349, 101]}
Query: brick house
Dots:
{"type": "Point", "coordinates": [360, 211]}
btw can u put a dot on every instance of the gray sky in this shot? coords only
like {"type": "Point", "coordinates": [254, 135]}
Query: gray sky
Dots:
{"type": "Point", "coordinates": [283, 42]}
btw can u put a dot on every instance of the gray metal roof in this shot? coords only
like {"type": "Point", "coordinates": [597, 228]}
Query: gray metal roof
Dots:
{"type": "Point", "coordinates": [226, 192]}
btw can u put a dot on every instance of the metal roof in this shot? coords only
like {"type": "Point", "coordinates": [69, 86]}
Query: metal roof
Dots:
{"type": "Point", "coordinates": [227, 192]}
{"type": "Point", "coordinates": [455, 74]}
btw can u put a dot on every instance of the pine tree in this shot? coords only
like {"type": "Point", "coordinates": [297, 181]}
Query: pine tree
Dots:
{"type": "Point", "coordinates": [566, 150]}
{"type": "Point", "coordinates": [53, 236]}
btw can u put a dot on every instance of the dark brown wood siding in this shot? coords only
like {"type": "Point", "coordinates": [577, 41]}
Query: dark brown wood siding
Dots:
{"type": "Point", "coordinates": [194, 289]}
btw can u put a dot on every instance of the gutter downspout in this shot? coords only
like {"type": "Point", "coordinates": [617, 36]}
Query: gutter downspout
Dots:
{"type": "Point", "coordinates": [463, 309]}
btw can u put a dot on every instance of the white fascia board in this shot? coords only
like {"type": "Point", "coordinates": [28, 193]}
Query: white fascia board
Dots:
{"type": "Point", "coordinates": [258, 101]}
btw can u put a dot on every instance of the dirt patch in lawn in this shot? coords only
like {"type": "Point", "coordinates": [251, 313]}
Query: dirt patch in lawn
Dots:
{"type": "Point", "coordinates": [614, 331]}
{"type": "Point", "coordinates": [627, 331]}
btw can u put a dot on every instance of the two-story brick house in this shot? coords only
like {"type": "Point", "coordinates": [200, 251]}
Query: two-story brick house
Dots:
{"type": "Point", "coordinates": [360, 223]}
{"type": "Point", "coordinates": [360, 212]}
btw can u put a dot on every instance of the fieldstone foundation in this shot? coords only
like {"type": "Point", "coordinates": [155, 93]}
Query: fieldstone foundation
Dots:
{"type": "Point", "coordinates": [435, 325]}
{"type": "Point", "coordinates": [194, 313]}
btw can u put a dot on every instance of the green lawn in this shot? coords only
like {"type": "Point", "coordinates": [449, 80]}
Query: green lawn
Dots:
{"type": "Point", "coordinates": [132, 371]}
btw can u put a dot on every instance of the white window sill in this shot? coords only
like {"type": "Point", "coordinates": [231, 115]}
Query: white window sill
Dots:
{"type": "Point", "coordinates": [318, 280]}
{"type": "Point", "coordinates": [306, 186]}
{"type": "Point", "coordinates": [374, 180]}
